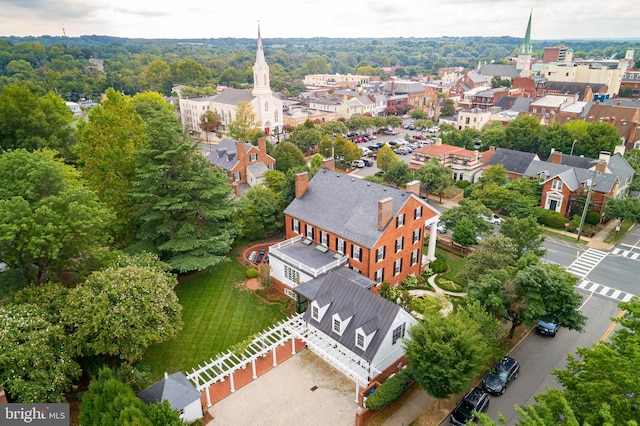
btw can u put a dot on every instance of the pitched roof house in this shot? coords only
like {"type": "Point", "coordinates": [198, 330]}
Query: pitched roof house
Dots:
{"type": "Point", "coordinates": [179, 391]}
{"type": "Point", "coordinates": [365, 328]}
{"type": "Point", "coordinates": [514, 162]}
{"type": "Point", "coordinates": [245, 163]}
{"type": "Point", "coordinates": [337, 220]}
{"type": "Point", "coordinates": [464, 163]}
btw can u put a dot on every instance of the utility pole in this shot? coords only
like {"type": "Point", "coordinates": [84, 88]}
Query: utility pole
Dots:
{"type": "Point", "coordinates": [588, 200]}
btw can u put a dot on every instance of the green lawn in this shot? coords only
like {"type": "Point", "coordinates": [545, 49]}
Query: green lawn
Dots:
{"type": "Point", "coordinates": [218, 311]}
{"type": "Point", "coordinates": [455, 263]}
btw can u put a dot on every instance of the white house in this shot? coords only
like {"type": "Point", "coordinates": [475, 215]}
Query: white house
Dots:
{"type": "Point", "coordinates": [360, 331]}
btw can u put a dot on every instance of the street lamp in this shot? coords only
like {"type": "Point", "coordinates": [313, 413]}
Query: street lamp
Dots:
{"type": "Point", "coordinates": [206, 130]}
{"type": "Point", "coordinates": [572, 145]}
{"type": "Point", "coordinates": [586, 203]}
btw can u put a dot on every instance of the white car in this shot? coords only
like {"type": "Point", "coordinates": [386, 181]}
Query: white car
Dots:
{"type": "Point", "coordinates": [357, 163]}
{"type": "Point", "coordinates": [494, 218]}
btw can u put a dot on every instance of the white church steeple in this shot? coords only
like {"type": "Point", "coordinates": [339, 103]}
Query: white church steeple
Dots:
{"type": "Point", "coordinates": [261, 84]}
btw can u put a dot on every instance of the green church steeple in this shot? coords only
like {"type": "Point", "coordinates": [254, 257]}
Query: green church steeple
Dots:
{"type": "Point", "coordinates": [526, 43]}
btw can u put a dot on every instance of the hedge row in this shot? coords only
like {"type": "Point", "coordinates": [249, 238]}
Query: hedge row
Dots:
{"type": "Point", "coordinates": [389, 391]}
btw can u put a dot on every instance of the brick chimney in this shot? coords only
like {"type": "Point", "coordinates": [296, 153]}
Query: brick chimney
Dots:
{"type": "Point", "coordinates": [329, 164]}
{"type": "Point", "coordinates": [413, 187]}
{"type": "Point", "coordinates": [302, 183]}
{"type": "Point", "coordinates": [385, 212]}
{"type": "Point", "coordinates": [262, 145]}
{"type": "Point", "coordinates": [601, 166]}
{"type": "Point", "coordinates": [240, 149]}
{"type": "Point", "coordinates": [555, 157]}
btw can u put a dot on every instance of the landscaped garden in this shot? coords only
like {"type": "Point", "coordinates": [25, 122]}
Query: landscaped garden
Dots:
{"type": "Point", "coordinates": [218, 312]}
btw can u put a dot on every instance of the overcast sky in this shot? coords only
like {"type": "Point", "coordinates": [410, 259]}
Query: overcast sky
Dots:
{"type": "Point", "coordinates": [552, 19]}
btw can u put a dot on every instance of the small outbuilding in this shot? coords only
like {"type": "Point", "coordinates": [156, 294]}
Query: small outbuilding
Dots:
{"type": "Point", "coordinates": [179, 391]}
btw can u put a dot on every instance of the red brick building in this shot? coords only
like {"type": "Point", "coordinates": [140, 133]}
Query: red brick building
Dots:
{"type": "Point", "coordinates": [337, 220]}
{"type": "Point", "coordinates": [244, 163]}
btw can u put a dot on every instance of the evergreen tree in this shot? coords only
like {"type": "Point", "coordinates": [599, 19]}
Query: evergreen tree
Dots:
{"type": "Point", "coordinates": [182, 209]}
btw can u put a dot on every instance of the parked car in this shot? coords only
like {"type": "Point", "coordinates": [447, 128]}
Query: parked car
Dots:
{"type": "Point", "coordinates": [373, 147]}
{"type": "Point", "coordinates": [419, 137]}
{"type": "Point", "coordinates": [390, 132]}
{"type": "Point", "coordinates": [357, 163]}
{"type": "Point", "coordinates": [494, 218]}
{"type": "Point", "coordinates": [547, 328]}
{"type": "Point", "coordinates": [476, 399]}
{"type": "Point", "coordinates": [393, 143]}
{"type": "Point", "coordinates": [367, 162]}
{"type": "Point", "coordinates": [260, 256]}
{"type": "Point", "coordinates": [506, 370]}
{"type": "Point", "coordinates": [403, 150]}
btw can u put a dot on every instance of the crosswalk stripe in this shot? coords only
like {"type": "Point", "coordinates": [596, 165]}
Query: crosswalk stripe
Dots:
{"type": "Point", "coordinates": [604, 291]}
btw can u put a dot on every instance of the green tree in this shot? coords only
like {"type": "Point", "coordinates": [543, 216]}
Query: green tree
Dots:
{"type": "Point", "coordinates": [260, 213]}
{"type": "Point", "coordinates": [108, 401]}
{"type": "Point", "coordinates": [496, 252]}
{"type": "Point", "coordinates": [351, 152]}
{"type": "Point", "coordinates": [288, 156]}
{"type": "Point", "coordinates": [275, 180]}
{"type": "Point", "coordinates": [469, 209]}
{"type": "Point", "coordinates": [306, 137]}
{"type": "Point", "coordinates": [36, 364]}
{"type": "Point", "coordinates": [493, 134]}
{"type": "Point", "coordinates": [332, 128]}
{"type": "Point", "coordinates": [245, 126]}
{"type": "Point", "coordinates": [32, 121]}
{"type": "Point", "coordinates": [530, 292]}
{"type": "Point", "coordinates": [434, 176]}
{"type": "Point", "coordinates": [399, 173]}
{"type": "Point", "coordinates": [525, 233]}
{"type": "Point", "coordinates": [464, 233]}
{"type": "Point", "coordinates": [627, 208]}
{"type": "Point", "coordinates": [393, 121]}
{"type": "Point", "coordinates": [448, 108]}
{"type": "Point", "coordinates": [182, 209]}
{"type": "Point", "coordinates": [325, 148]}
{"type": "Point", "coordinates": [316, 163]}
{"type": "Point", "coordinates": [50, 222]}
{"type": "Point", "coordinates": [108, 140]}
{"type": "Point", "coordinates": [132, 304]}
{"type": "Point", "coordinates": [386, 158]}
{"type": "Point", "coordinates": [446, 353]}
{"type": "Point", "coordinates": [523, 134]}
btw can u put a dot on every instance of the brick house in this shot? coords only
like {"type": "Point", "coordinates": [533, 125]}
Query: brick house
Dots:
{"type": "Point", "coordinates": [244, 163]}
{"type": "Point", "coordinates": [464, 163]}
{"type": "Point", "coordinates": [337, 220]}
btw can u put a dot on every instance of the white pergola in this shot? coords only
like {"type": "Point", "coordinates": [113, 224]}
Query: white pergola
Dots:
{"type": "Point", "coordinates": [225, 364]}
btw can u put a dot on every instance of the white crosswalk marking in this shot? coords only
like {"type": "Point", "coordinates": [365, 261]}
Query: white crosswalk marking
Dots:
{"type": "Point", "coordinates": [605, 291]}
{"type": "Point", "coordinates": [634, 253]}
{"type": "Point", "coordinates": [586, 262]}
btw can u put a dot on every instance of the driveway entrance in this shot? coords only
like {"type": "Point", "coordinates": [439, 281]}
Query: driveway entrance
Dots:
{"type": "Point", "coordinates": [303, 389]}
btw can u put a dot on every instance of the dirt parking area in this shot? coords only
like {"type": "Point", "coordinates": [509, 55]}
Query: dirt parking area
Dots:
{"type": "Point", "coordinates": [302, 390]}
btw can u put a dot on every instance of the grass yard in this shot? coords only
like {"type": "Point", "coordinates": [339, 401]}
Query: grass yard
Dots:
{"type": "Point", "coordinates": [218, 311]}
{"type": "Point", "coordinates": [455, 263]}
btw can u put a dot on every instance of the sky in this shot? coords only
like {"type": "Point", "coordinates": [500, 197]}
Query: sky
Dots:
{"type": "Point", "coordinates": [184, 19]}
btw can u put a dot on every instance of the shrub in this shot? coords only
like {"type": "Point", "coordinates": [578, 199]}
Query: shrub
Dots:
{"type": "Point", "coordinates": [462, 184]}
{"type": "Point", "coordinates": [389, 391]}
{"type": "Point", "coordinates": [252, 273]}
{"type": "Point", "coordinates": [552, 219]}
{"type": "Point", "coordinates": [593, 218]}
{"type": "Point", "coordinates": [439, 265]}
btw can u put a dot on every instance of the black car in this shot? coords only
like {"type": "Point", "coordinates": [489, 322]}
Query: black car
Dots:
{"type": "Point", "coordinates": [476, 399]}
{"type": "Point", "coordinates": [506, 370]}
{"type": "Point", "coordinates": [547, 328]}
{"type": "Point", "coordinates": [367, 162]}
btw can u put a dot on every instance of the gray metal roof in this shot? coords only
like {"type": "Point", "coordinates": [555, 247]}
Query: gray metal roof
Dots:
{"type": "Point", "coordinates": [176, 389]}
{"type": "Point", "coordinates": [573, 177]}
{"type": "Point", "coordinates": [257, 169]}
{"type": "Point", "coordinates": [501, 70]}
{"type": "Point", "coordinates": [368, 309]}
{"type": "Point", "coordinates": [232, 96]}
{"type": "Point", "coordinates": [620, 167]}
{"type": "Point", "coordinates": [309, 290]}
{"type": "Point", "coordinates": [513, 161]}
{"type": "Point", "coordinates": [225, 154]}
{"type": "Point", "coordinates": [514, 103]}
{"type": "Point", "coordinates": [346, 206]}
{"type": "Point", "coordinates": [570, 88]}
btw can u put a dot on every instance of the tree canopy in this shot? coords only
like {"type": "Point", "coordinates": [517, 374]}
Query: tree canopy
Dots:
{"type": "Point", "coordinates": [50, 221]}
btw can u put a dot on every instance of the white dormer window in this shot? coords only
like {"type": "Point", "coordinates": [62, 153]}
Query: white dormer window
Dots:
{"type": "Point", "coordinates": [317, 311]}
{"type": "Point", "coordinates": [337, 325]}
{"type": "Point", "coordinates": [253, 157]}
{"type": "Point", "coordinates": [556, 185]}
{"type": "Point", "coordinates": [360, 338]}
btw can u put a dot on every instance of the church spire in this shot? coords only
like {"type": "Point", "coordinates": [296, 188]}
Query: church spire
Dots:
{"type": "Point", "coordinates": [260, 61]}
{"type": "Point", "coordinates": [526, 43]}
